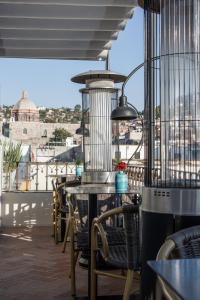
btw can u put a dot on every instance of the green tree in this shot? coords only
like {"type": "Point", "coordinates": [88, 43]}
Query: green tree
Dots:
{"type": "Point", "coordinates": [77, 108]}
{"type": "Point", "coordinates": [60, 134]}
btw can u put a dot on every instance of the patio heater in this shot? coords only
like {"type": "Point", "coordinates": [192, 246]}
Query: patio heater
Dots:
{"type": "Point", "coordinates": [171, 198]}
{"type": "Point", "coordinates": [99, 98]}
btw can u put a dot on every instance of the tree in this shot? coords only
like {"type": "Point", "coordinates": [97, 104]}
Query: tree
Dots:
{"type": "Point", "coordinates": [77, 108]}
{"type": "Point", "coordinates": [60, 134]}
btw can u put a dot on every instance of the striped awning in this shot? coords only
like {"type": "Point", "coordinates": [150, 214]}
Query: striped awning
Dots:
{"type": "Point", "coordinates": [62, 29]}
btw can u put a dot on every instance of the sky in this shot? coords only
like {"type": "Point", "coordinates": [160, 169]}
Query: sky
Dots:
{"type": "Point", "coordinates": [48, 81]}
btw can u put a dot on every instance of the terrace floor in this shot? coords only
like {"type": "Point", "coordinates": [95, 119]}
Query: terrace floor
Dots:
{"type": "Point", "coordinates": [33, 267]}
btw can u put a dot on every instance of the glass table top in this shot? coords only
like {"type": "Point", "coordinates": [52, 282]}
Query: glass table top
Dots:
{"type": "Point", "coordinates": [95, 188]}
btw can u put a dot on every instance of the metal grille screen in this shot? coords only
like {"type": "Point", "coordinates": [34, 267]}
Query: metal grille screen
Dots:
{"type": "Point", "coordinates": [97, 107]}
{"type": "Point", "coordinates": [172, 108]}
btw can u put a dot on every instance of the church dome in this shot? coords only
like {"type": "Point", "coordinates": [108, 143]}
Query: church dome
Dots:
{"type": "Point", "coordinates": [25, 110]}
{"type": "Point", "coordinates": [24, 103]}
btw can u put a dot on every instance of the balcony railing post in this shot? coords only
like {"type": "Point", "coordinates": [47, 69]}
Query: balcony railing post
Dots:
{"type": "Point", "coordinates": [47, 176]}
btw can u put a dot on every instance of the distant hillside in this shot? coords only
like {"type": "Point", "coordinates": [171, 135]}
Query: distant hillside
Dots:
{"type": "Point", "coordinates": [51, 115]}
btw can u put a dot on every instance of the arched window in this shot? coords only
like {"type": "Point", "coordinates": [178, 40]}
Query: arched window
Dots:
{"type": "Point", "coordinates": [44, 133]}
{"type": "Point", "coordinates": [25, 131]}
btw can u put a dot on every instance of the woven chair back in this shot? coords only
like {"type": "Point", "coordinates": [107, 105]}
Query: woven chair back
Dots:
{"type": "Point", "coordinates": [187, 243]}
{"type": "Point", "coordinates": [102, 206]}
{"type": "Point", "coordinates": [132, 232]}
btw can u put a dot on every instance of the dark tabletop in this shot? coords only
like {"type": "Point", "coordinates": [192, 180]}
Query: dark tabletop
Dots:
{"type": "Point", "coordinates": [182, 275]}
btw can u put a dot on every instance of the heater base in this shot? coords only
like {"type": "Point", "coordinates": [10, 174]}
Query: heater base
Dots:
{"type": "Point", "coordinates": [176, 201]}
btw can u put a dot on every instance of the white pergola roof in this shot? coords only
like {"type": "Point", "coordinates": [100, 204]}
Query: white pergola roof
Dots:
{"type": "Point", "coordinates": [62, 29]}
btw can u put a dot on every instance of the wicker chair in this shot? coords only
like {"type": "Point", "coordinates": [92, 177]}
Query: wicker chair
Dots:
{"type": "Point", "coordinates": [182, 244]}
{"type": "Point", "coordinates": [59, 210]}
{"type": "Point", "coordinates": [125, 256]}
{"type": "Point", "coordinates": [78, 232]}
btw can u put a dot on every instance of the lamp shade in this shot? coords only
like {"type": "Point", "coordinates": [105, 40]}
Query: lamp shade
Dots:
{"type": "Point", "coordinates": [82, 130]}
{"type": "Point", "coordinates": [123, 111]}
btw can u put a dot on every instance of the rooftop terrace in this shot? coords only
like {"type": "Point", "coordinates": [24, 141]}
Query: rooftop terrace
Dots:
{"type": "Point", "coordinates": [33, 267]}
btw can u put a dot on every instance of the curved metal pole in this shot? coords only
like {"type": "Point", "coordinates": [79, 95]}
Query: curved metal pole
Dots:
{"type": "Point", "coordinates": [130, 75]}
{"type": "Point", "coordinates": [141, 140]}
{"type": "Point", "coordinates": [137, 69]}
{"type": "Point", "coordinates": [152, 59]}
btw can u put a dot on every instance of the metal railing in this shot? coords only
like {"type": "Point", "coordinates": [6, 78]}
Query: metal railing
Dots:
{"type": "Point", "coordinates": [136, 176]}
{"type": "Point", "coordinates": [177, 178]}
{"type": "Point", "coordinates": [36, 176]}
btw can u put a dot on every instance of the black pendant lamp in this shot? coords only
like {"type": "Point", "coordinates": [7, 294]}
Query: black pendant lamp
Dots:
{"type": "Point", "coordinates": [82, 130]}
{"type": "Point", "coordinates": [124, 111]}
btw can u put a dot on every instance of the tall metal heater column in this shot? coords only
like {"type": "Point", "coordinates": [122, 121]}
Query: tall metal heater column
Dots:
{"type": "Point", "coordinates": [99, 98]}
{"type": "Point", "coordinates": [171, 197]}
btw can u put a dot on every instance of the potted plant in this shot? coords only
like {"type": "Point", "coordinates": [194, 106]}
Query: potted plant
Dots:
{"type": "Point", "coordinates": [11, 158]}
{"type": "Point", "coordinates": [79, 167]}
{"type": "Point", "coordinates": [121, 178]}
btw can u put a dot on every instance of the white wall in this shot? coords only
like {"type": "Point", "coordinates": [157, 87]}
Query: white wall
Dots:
{"type": "Point", "coordinates": [26, 209]}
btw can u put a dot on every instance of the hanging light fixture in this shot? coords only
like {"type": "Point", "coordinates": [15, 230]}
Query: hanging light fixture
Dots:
{"type": "Point", "coordinates": [124, 111]}
{"type": "Point", "coordinates": [82, 130]}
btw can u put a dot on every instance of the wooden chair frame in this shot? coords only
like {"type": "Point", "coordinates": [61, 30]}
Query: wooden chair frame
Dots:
{"type": "Point", "coordinates": [97, 229]}
{"type": "Point", "coordinates": [71, 228]}
{"type": "Point", "coordinates": [56, 215]}
{"type": "Point", "coordinates": [164, 253]}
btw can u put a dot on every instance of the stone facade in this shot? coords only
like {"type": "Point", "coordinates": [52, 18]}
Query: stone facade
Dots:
{"type": "Point", "coordinates": [37, 133]}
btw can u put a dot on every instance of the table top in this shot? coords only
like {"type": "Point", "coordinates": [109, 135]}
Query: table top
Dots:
{"type": "Point", "coordinates": [99, 189]}
{"type": "Point", "coordinates": [182, 276]}
{"type": "Point", "coordinates": [62, 175]}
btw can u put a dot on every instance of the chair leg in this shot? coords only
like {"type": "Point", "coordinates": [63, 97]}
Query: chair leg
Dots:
{"type": "Point", "coordinates": [75, 260]}
{"type": "Point", "coordinates": [53, 221]}
{"type": "Point", "coordinates": [66, 235]}
{"type": "Point", "coordinates": [56, 230]}
{"type": "Point", "coordinates": [128, 284]}
{"type": "Point", "coordinates": [93, 284]}
{"type": "Point", "coordinates": [56, 225]}
{"type": "Point", "coordinates": [72, 260]}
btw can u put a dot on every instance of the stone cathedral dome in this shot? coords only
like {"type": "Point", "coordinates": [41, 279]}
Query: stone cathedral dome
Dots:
{"type": "Point", "coordinates": [25, 110]}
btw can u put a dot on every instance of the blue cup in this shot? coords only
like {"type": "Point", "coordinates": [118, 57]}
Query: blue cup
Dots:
{"type": "Point", "coordinates": [121, 182]}
{"type": "Point", "coordinates": [79, 170]}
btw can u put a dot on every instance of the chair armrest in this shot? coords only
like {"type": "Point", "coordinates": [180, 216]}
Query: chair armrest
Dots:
{"type": "Point", "coordinates": [61, 185]}
{"type": "Point", "coordinates": [164, 253]}
{"type": "Point", "coordinates": [97, 228]}
{"type": "Point", "coordinates": [165, 250]}
{"type": "Point", "coordinates": [108, 214]}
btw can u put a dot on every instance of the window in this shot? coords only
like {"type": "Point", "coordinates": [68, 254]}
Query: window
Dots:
{"type": "Point", "coordinates": [44, 133]}
{"type": "Point", "coordinates": [25, 131]}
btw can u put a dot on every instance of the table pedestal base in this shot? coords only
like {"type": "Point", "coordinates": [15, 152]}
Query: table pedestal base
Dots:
{"type": "Point", "coordinates": [113, 297]}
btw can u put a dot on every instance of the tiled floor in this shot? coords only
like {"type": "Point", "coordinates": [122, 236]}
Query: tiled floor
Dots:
{"type": "Point", "coordinates": [32, 267]}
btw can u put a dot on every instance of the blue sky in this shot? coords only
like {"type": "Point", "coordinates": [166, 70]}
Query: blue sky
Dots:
{"type": "Point", "coordinates": [48, 81]}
